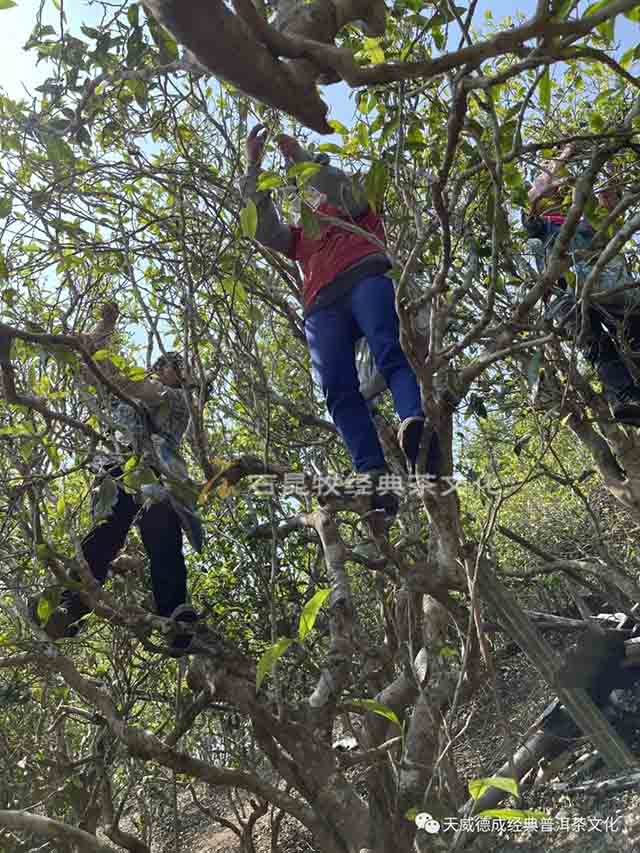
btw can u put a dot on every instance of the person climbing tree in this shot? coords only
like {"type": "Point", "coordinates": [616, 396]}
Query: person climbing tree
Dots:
{"type": "Point", "coordinates": [346, 294]}
{"type": "Point", "coordinates": [149, 428]}
{"type": "Point", "coordinates": [614, 323]}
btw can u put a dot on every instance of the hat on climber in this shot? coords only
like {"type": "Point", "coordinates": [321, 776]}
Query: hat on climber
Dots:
{"type": "Point", "coordinates": [172, 359]}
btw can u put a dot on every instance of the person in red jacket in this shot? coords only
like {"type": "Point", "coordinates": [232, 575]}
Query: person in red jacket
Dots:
{"type": "Point", "coordinates": [346, 294]}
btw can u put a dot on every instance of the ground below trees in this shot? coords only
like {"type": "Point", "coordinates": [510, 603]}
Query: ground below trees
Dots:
{"type": "Point", "coordinates": [524, 695]}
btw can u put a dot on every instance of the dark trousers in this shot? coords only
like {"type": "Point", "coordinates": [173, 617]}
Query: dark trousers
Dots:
{"type": "Point", "coordinates": [605, 352]}
{"type": "Point", "coordinates": [367, 309]}
{"type": "Point", "coordinates": [162, 538]}
{"type": "Point", "coordinates": [603, 349]}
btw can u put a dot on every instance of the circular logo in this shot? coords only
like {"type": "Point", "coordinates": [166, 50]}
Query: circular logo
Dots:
{"type": "Point", "coordinates": [428, 823]}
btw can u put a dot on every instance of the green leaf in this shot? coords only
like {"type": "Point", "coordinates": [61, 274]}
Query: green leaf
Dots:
{"type": "Point", "coordinates": [376, 184]}
{"type": "Point", "coordinates": [595, 7]}
{"type": "Point", "coordinates": [310, 223]}
{"type": "Point", "coordinates": [249, 219]}
{"type": "Point", "coordinates": [545, 90]}
{"type": "Point", "coordinates": [136, 374]}
{"type": "Point", "coordinates": [564, 7]}
{"type": "Point", "coordinates": [372, 50]}
{"type": "Point", "coordinates": [415, 135]}
{"type": "Point", "coordinates": [477, 787]}
{"type": "Point", "coordinates": [101, 355]}
{"type": "Point", "coordinates": [130, 464]}
{"type": "Point", "coordinates": [133, 14]}
{"type": "Point", "coordinates": [389, 129]}
{"type": "Point", "coordinates": [303, 171]}
{"type": "Point", "coordinates": [7, 4]}
{"type": "Point", "coordinates": [165, 42]}
{"type": "Point", "coordinates": [338, 127]}
{"type": "Point", "coordinates": [143, 475]}
{"type": "Point", "coordinates": [512, 814]}
{"type": "Point", "coordinates": [9, 295]}
{"type": "Point", "coordinates": [6, 203]}
{"type": "Point", "coordinates": [331, 147]}
{"type": "Point", "coordinates": [58, 150]}
{"type": "Point", "coordinates": [362, 134]}
{"type": "Point", "coordinates": [44, 552]}
{"type": "Point", "coordinates": [310, 612]}
{"type": "Point", "coordinates": [47, 603]}
{"type": "Point", "coordinates": [269, 659]}
{"type": "Point", "coordinates": [377, 708]}
{"type": "Point", "coordinates": [633, 14]}
{"type": "Point", "coordinates": [105, 499]}
{"type": "Point", "coordinates": [234, 288]}
{"type": "Point", "coordinates": [138, 89]}
{"type": "Point", "coordinates": [606, 28]}
{"type": "Point", "coordinates": [533, 369]}
{"type": "Point", "coordinates": [366, 103]}
{"type": "Point", "coordinates": [628, 58]}
{"type": "Point", "coordinates": [270, 181]}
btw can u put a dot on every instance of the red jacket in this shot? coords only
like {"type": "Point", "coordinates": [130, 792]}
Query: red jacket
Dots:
{"type": "Point", "coordinates": [335, 250]}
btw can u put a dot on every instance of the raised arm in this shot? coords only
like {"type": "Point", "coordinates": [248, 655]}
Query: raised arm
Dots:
{"type": "Point", "coordinates": [146, 390]}
{"type": "Point", "coordinates": [270, 231]}
{"type": "Point", "coordinates": [550, 179]}
{"type": "Point", "coordinates": [335, 184]}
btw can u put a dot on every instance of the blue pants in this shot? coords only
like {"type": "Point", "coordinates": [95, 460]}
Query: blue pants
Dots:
{"type": "Point", "coordinates": [367, 309]}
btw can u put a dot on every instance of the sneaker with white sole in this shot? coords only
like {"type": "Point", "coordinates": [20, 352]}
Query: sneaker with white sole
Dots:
{"type": "Point", "coordinates": [384, 501]}
{"type": "Point", "coordinates": [180, 638]}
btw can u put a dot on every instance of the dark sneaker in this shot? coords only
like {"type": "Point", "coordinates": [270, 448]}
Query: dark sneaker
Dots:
{"type": "Point", "coordinates": [409, 438]}
{"type": "Point", "coordinates": [64, 621]}
{"type": "Point", "coordinates": [181, 637]}
{"type": "Point", "coordinates": [385, 501]}
{"type": "Point", "coordinates": [434, 456]}
{"type": "Point", "coordinates": [626, 408]}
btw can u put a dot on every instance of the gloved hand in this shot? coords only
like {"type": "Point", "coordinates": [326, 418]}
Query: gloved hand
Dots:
{"type": "Point", "coordinates": [255, 144]}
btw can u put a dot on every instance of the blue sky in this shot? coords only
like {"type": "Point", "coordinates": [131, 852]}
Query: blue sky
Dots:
{"type": "Point", "coordinates": [17, 67]}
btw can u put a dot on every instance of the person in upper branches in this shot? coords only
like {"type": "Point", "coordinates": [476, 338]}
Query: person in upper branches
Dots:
{"type": "Point", "coordinates": [346, 294]}
{"type": "Point", "coordinates": [550, 198]}
{"type": "Point", "coordinates": [152, 435]}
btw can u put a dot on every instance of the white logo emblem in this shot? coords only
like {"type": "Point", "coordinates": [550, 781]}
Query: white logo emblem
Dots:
{"type": "Point", "coordinates": [425, 821]}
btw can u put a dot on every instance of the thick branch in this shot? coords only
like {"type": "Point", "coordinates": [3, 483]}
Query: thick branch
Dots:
{"type": "Point", "coordinates": [12, 396]}
{"type": "Point", "coordinates": [147, 747]}
{"type": "Point", "coordinates": [582, 709]}
{"type": "Point", "coordinates": [337, 667]}
{"type": "Point", "coordinates": [73, 342]}
{"type": "Point", "coordinates": [221, 42]}
{"type": "Point", "coordinates": [45, 826]}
